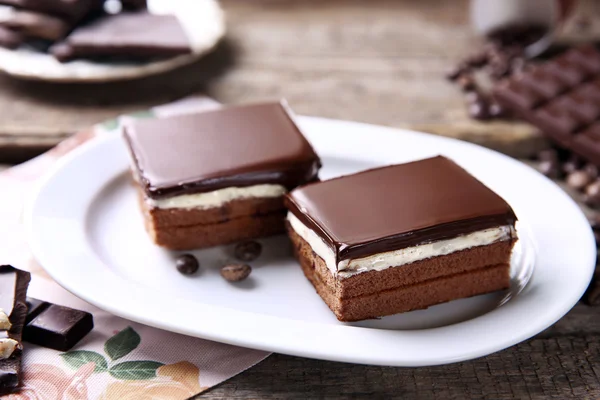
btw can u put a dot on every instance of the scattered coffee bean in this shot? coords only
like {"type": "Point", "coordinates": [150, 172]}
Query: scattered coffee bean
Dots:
{"type": "Point", "coordinates": [592, 194]}
{"type": "Point", "coordinates": [456, 72]}
{"type": "Point", "coordinates": [578, 179]}
{"type": "Point", "coordinates": [479, 110]}
{"type": "Point", "coordinates": [466, 82]}
{"type": "Point", "coordinates": [496, 110]}
{"type": "Point", "coordinates": [572, 164]}
{"type": "Point", "coordinates": [187, 264]}
{"type": "Point", "coordinates": [473, 96]}
{"type": "Point", "coordinates": [235, 272]}
{"type": "Point", "coordinates": [551, 169]}
{"type": "Point", "coordinates": [477, 60]}
{"type": "Point", "coordinates": [247, 251]}
{"type": "Point", "coordinates": [592, 170]}
{"type": "Point", "coordinates": [548, 155]}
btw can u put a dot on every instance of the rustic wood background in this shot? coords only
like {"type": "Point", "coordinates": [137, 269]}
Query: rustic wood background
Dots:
{"type": "Point", "coordinates": [383, 62]}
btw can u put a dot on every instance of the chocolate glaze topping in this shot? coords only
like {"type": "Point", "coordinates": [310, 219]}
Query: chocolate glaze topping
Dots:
{"type": "Point", "coordinates": [234, 146]}
{"type": "Point", "coordinates": [398, 206]}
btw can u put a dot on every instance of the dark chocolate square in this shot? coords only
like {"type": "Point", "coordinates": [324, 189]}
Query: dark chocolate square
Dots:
{"type": "Point", "coordinates": [398, 206]}
{"type": "Point", "coordinates": [233, 146]}
{"type": "Point", "coordinates": [58, 327]}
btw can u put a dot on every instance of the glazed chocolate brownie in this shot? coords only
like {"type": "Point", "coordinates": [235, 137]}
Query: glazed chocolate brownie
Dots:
{"type": "Point", "coordinates": [401, 238]}
{"type": "Point", "coordinates": [218, 177]}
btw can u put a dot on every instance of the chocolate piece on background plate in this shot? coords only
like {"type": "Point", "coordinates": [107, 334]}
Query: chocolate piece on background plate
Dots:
{"type": "Point", "coordinates": [13, 291]}
{"type": "Point", "coordinates": [73, 10]}
{"type": "Point", "coordinates": [562, 98]}
{"type": "Point", "coordinates": [56, 327]}
{"type": "Point", "coordinates": [400, 238]}
{"type": "Point", "coordinates": [125, 35]}
{"type": "Point", "coordinates": [33, 24]}
{"type": "Point", "coordinates": [10, 39]}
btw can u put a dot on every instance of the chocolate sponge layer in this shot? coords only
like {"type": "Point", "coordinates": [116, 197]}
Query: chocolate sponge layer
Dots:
{"type": "Point", "coordinates": [195, 228]}
{"type": "Point", "coordinates": [408, 287]}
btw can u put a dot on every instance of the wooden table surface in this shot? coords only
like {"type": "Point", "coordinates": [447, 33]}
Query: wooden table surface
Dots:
{"type": "Point", "coordinates": [382, 62]}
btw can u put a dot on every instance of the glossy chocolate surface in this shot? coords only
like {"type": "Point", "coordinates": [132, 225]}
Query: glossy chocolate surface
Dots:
{"type": "Point", "coordinates": [234, 146]}
{"type": "Point", "coordinates": [398, 206]}
{"type": "Point", "coordinates": [126, 35]}
{"type": "Point", "coordinates": [56, 327]}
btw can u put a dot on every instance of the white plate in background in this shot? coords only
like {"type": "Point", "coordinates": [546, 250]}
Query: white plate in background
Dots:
{"type": "Point", "coordinates": [203, 20]}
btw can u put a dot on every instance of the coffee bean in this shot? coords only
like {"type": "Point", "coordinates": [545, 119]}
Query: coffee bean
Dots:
{"type": "Point", "coordinates": [473, 96]}
{"type": "Point", "coordinates": [592, 194]}
{"type": "Point", "coordinates": [479, 110]}
{"type": "Point", "coordinates": [466, 82]}
{"type": "Point", "coordinates": [551, 169]}
{"type": "Point", "coordinates": [187, 264]}
{"type": "Point", "coordinates": [592, 170]}
{"type": "Point", "coordinates": [496, 110]}
{"type": "Point", "coordinates": [578, 179]}
{"type": "Point", "coordinates": [477, 60]}
{"type": "Point", "coordinates": [548, 155]}
{"type": "Point", "coordinates": [572, 164]}
{"type": "Point", "coordinates": [247, 251]}
{"type": "Point", "coordinates": [456, 72]}
{"type": "Point", "coordinates": [235, 272]}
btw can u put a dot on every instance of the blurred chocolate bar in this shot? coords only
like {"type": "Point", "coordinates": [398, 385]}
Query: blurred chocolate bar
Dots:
{"type": "Point", "coordinates": [125, 35]}
{"type": "Point", "coordinates": [13, 311]}
{"type": "Point", "coordinates": [561, 97]}
{"type": "Point", "coordinates": [73, 10]}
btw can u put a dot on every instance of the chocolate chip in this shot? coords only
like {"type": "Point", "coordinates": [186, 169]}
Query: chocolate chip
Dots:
{"type": "Point", "coordinates": [550, 168]}
{"type": "Point", "coordinates": [592, 170]}
{"type": "Point", "coordinates": [187, 264]}
{"type": "Point", "coordinates": [592, 194]}
{"type": "Point", "coordinates": [548, 155]}
{"type": "Point", "coordinates": [466, 82]}
{"type": "Point", "coordinates": [247, 251]}
{"type": "Point", "coordinates": [578, 179]}
{"type": "Point", "coordinates": [235, 272]}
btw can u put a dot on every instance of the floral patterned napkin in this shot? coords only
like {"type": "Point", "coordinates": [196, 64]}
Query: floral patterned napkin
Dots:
{"type": "Point", "coordinates": [119, 359]}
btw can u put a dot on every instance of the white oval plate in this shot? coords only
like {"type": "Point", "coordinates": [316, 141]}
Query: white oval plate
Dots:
{"type": "Point", "coordinates": [86, 230]}
{"type": "Point", "coordinates": [204, 21]}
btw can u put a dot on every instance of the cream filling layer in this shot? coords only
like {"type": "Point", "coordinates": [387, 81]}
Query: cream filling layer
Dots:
{"type": "Point", "coordinates": [217, 198]}
{"type": "Point", "coordinates": [381, 261]}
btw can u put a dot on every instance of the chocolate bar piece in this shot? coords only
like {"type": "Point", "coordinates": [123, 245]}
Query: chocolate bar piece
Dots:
{"type": "Point", "coordinates": [562, 98]}
{"type": "Point", "coordinates": [33, 24]}
{"type": "Point", "coordinates": [56, 327]}
{"type": "Point", "coordinates": [73, 10]}
{"type": "Point", "coordinates": [13, 311]}
{"type": "Point", "coordinates": [125, 35]}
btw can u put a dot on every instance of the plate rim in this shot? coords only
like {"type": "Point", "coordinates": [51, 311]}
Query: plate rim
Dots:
{"type": "Point", "coordinates": [296, 327]}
